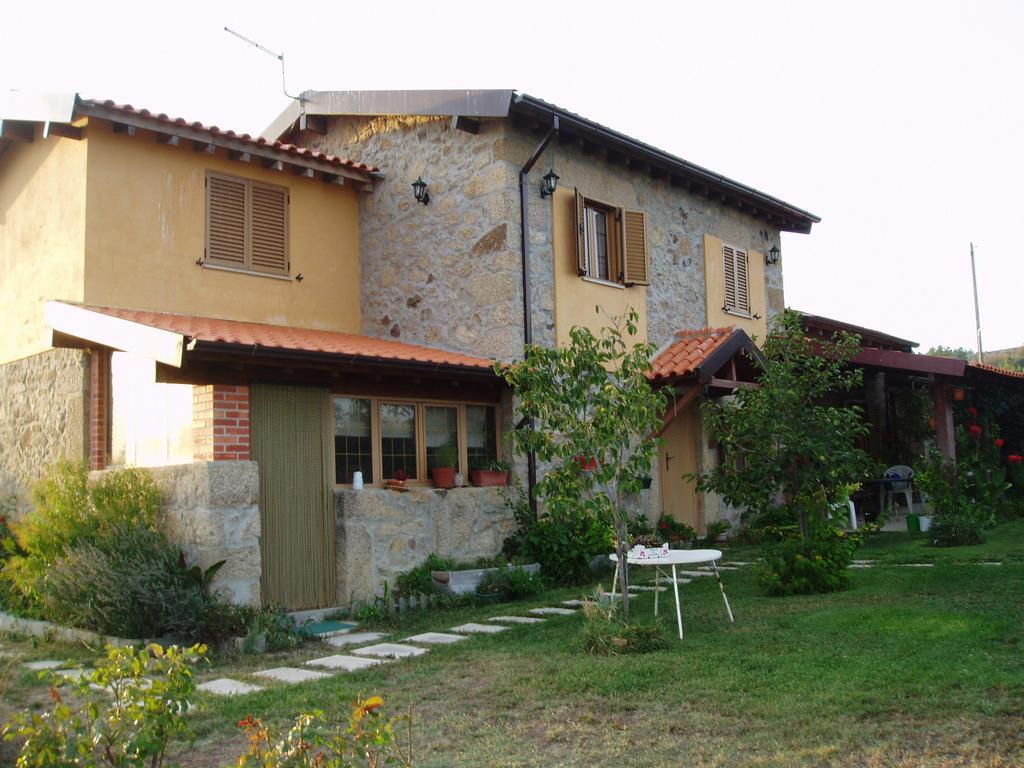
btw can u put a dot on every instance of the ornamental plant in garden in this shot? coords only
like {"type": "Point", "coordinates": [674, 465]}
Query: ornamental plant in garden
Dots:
{"type": "Point", "coordinates": [590, 398]}
{"type": "Point", "coordinates": [791, 457]}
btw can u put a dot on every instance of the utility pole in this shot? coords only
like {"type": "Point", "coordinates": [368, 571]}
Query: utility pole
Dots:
{"type": "Point", "coordinates": [977, 312]}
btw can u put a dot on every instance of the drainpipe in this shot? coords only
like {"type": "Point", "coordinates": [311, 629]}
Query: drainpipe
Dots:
{"type": "Point", "coordinates": [524, 240]}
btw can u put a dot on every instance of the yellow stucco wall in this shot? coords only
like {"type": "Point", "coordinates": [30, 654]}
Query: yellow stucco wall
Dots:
{"type": "Point", "coordinates": [714, 271]}
{"type": "Point", "coordinates": [576, 298]}
{"type": "Point", "coordinates": [146, 229]}
{"type": "Point", "coordinates": [42, 237]}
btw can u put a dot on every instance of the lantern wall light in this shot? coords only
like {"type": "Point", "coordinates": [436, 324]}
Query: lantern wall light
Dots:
{"type": "Point", "coordinates": [419, 188]}
{"type": "Point", "coordinates": [549, 183]}
{"type": "Point", "coordinates": [772, 257]}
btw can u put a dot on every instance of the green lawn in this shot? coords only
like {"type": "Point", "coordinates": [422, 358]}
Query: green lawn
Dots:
{"type": "Point", "coordinates": [910, 667]}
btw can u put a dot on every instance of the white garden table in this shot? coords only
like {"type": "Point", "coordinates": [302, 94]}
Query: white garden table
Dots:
{"type": "Point", "coordinates": [672, 559]}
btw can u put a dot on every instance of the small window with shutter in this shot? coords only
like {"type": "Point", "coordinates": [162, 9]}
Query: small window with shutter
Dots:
{"type": "Point", "coordinates": [246, 225]}
{"type": "Point", "coordinates": [611, 243]}
{"type": "Point", "coordinates": [737, 280]}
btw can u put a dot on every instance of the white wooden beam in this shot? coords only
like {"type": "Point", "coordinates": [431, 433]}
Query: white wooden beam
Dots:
{"type": "Point", "coordinates": [116, 333]}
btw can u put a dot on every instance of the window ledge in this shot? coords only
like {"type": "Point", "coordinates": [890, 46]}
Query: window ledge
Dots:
{"type": "Point", "coordinates": [736, 313]}
{"type": "Point", "coordinates": [606, 283]}
{"type": "Point", "coordinates": [250, 272]}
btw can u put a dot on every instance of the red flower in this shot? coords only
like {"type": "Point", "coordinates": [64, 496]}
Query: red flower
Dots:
{"type": "Point", "coordinates": [975, 430]}
{"type": "Point", "coordinates": [973, 411]}
{"type": "Point", "coordinates": [663, 526]}
{"type": "Point", "coordinates": [1015, 458]}
{"type": "Point", "coordinates": [248, 722]}
{"type": "Point", "coordinates": [1000, 442]}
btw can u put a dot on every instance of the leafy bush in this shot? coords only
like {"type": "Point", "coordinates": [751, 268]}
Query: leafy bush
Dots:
{"type": "Point", "coordinates": [964, 498]}
{"type": "Point", "coordinates": [127, 720]}
{"type": "Point", "coordinates": [675, 531]}
{"type": "Point", "coordinates": [565, 548]}
{"type": "Point", "coordinates": [639, 526]}
{"type": "Point", "coordinates": [805, 566]}
{"type": "Point", "coordinates": [714, 530]}
{"type": "Point", "coordinates": [605, 634]}
{"type": "Point", "coordinates": [511, 584]}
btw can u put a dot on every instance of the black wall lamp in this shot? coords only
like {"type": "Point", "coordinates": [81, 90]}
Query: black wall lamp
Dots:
{"type": "Point", "coordinates": [772, 257]}
{"type": "Point", "coordinates": [419, 188]}
{"type": "Point", "coordinates": [549, 183]}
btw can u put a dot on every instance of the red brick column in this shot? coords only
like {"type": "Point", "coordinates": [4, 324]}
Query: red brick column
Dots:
{"type": "Point", "coordinates": [99, 408]}
{"type": "Point", "coordinates": [220, 422]}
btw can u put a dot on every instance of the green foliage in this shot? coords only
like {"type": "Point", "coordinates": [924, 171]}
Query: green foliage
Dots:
{"type": "Point", "coordinates": [445, 456]}
{"type": "Point", "coordinates": [590, 398]}
{"type": "Point", "coordinates": [675, 532]}
{"type": "Point", "coordinates": [566, 547]}
{"type": "Point", "coordinates": [714, 530]}
{"type": "Point", "coordinates": [797, 566]}
{"type": "Point", "coordinates": [128, 723]}
{"type": "Point", "coordinates": [276, 625]}
{"type": "Point", "coordinates": [639, 526]}
{"type": "Point", "coordinates": [510, 584]}
{"type": "Point", "coordinates": [781, 440]}
{"type": "Point", "coordinates": [960, 496]}
{"type": "Point", "coordinates": [605, 634]}
{"type": "Point", "coordinates": [960, 353]}
{"type": "Point", "coordinates": [369, 739]}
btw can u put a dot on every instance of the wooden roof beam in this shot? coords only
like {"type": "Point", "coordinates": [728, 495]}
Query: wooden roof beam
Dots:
{"type": "Point", "coordinates": [239, 156]}
{"type": "Point", "coordinates": [127, 130]}
{"type": "Point", "coordinates": [205, 147]}
{"type": "Point", "coordinates": [19, 130]}
{"type": "Point", "coordinates": [63, 130]}
{"type": "Point", "coordinates": [169, 139]}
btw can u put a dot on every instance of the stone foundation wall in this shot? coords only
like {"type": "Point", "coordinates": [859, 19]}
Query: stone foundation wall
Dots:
{"type": "Point", "coordinates": [211, 510]}
{"type": "Point", "coordinates": [382, 533]}
{"type": "Point", "coordinates": [43, 418]}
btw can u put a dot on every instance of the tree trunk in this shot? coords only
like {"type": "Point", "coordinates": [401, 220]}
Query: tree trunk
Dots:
{"type": "Point", "coordinates": [622, 550]}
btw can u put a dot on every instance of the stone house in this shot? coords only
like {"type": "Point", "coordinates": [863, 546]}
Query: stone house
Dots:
{"type": "Point", "coordinates": [697, 255]}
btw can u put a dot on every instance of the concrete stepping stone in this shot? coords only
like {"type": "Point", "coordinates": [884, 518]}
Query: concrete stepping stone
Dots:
{"type": "Point", "coordinates": [573, 603]}
{"type": "Point", "coordinates": [355, 638]}
{"type": "Point", "coordinates": [517, 619]}
{"type": "Point", "coordinates": [739, 562]}
{"type": "Point", "coordinates": [860, 565]}
{"type": "Point", "coordinates": [985, 562]}
{"type": "Point", "coordinates": [553, 611]}
{"type": "Point", "coordinates": [39, 666]}
{"type": "Point", "coordinates": [862, 561]}
{"type": "Point", "coordinates": [915, 565]}
{"type": "Point", "coordinates": [479, 629]}
{"type": "Point", "coordinates": [390, 650]}
{"type": "Point", "coordinates": [291, 674]}
{"type": "Point", "coordinates": [225, 686]}
{"type": "Point", "coordinates": [345, 663]}
{"type": "Point", "coordinates": [75, 674]}
{"type": "Point", "coordinates": [435, 638]}
{"type": "Point", "coordinates": [721, 568]}
{"type": "Point", "coordinates": [695, 573]}
{"type": "Point", "coordinates": [640, 588]}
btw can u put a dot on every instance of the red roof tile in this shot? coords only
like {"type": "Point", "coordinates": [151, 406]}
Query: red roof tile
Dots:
{"type": "Point", "coordinates": [279, 337]}
{"type": "Point", "coordinates": [691, 348]}
{"type": "Point", "coordinates": [1000, 371]}
{"type": "Point", "coordinates": [213, 130]}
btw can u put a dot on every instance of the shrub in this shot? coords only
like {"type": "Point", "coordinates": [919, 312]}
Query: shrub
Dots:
{"type": "Point", "coordinates": [565, 548]}
{"type": "Point", "coordinates": [511, 584]}
{"type": "Point", "coordinates": [963, 497]}
{"type": "Point", "coordinates": [675, 531]}
{"type": "Point", "coordinates": [605, 634]}
{"type": "Point", "coordinates": [805, 566]}
{"type": "Point", "coordinates": [714, 530]}
{"type": "Point", "coordinates": [128, 719]}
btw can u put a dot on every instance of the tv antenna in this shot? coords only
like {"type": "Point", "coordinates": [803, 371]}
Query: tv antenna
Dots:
{"type": "Point", "coordinates": [278, 56]}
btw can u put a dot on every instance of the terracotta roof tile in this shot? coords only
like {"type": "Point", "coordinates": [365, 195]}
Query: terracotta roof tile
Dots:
{"type": "Point", "coordinates": [213, 130]}
{"type": "Point", "coordinates": [279, 337]}
{"type": "Point", "coordinates": [691, 348]}
{"type": "Point", "coordinates": [994, 369]}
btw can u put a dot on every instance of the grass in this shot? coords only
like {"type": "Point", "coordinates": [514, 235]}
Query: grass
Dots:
{"type": "Point", "coordinates": [910, 667]}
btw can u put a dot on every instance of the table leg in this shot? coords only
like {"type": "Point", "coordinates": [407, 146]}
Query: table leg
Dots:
{"type": "Point", "coordinates": [657, 573]}
{"type": "Point", "coordinates": [675, 589]}
{"type": "Point", "coordinates": [721, 586]}
{"type": "Point", "coordinates": [615, 578]}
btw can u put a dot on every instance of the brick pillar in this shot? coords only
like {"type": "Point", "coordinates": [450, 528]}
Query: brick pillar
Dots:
{"type": "Point", "coordinates": [944, 428]}
{"type": "Point", "coordinates": [99, 408]}
{"type": "Point", "coordinates": [220, 422]}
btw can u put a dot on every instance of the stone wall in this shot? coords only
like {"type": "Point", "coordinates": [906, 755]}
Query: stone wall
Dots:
{"type": "Point", "coordinates": [446, 274]}
{"type": "Point", "coordinates": [382, 533]}
{"type": "Point", "coordinates": [43, 417]}
{"type": "Point", "coordinates": [211, 510]}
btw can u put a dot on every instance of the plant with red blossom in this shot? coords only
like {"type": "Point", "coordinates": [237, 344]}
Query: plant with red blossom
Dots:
{"type": "Point", "coordinates": [999, 442]}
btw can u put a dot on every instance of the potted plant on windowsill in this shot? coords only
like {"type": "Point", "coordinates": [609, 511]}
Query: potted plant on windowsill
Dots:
{"type": "Point", "coordinates": [444, 466]}
{"type": "Point", "coordinates": [494, 473]}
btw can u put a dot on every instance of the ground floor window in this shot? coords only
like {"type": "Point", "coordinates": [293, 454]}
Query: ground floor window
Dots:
{"type": "Point", "coordinates": [387, 439]}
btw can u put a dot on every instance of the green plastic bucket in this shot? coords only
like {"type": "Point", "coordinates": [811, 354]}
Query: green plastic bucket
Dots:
{"type": "Point", "coordinates": [913, 523]}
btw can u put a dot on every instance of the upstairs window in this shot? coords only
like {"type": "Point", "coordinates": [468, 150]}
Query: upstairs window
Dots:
{"type": "Point", "coordinates": [611, 243]}
{"type": "Point", "coordinates": [737, 281]}
{"type": "Point", "coordinates": [246, 225]}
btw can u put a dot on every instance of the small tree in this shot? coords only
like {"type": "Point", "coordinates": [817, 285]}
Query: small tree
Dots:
{"type": "Point", "coordinates": [786, 449]}
{"type": "Point", "coordinates": [591, 415]}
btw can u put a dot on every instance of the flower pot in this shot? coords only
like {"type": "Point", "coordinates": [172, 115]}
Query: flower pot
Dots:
{"type": "Point", "coordinates": [646, 483]}
{"type": "Point", "coordinates": [488, 597]}
{"type": "Point", "coordinates": [587, 464]}
{"type": "Point", "coordinates": [443, 477]}
{"type": "Point", "coordinates": [483, 478]}
{"type": "Point", "coordinates": [926, 523]}
{"type": "Point", "coordinates": [460, 582]}
{"type": "Point", "coordinates": [913, 523]}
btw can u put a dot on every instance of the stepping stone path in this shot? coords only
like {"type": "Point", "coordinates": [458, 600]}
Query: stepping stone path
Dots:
{"type": "Point", "coordinates": [553, 611]}
{"type": "Point", "coordinates": [987, 562]}
{"type": "Point", "coordinates": [345, 663]}
{"type": "Point", "coordinates": [860, 565]}
{"type": "Point", "coordinates": [225, 686]}
{"type": "Point", "coordinates": [39, 666]}
{"type": "Point", "coordinates": [517, 619]}
{"type": "Point", "coordinates": [479, 629]}
{"type": "Point", "coordinates": [390, 650]}
{"type": "Point", "coordinates": [695, 573]}
{"type": "Point", "coordinates": [355, 638]}
{"type": "Point", "coordinates": [915, 565]}
{"type": "Point", "coordinates": [739, 562]}
{"type": "Point", "coordinates": [436, 638]}
{"type": "Point", "coordinates": [573, 603]}
{"type": "Point", "coordinates": [291, 674]}
{"type": "Point", "coordinates": [75, 674]}
{"type": "Point", "coordinates": [637, 588]}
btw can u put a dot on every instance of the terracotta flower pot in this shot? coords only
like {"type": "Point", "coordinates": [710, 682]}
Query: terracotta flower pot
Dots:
{"type": "Point", "coordinates": [443, 477]}
{"type": "Point", "coordinates": [483, 478]}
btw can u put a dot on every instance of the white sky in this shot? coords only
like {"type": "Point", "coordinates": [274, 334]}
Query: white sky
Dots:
{"type": "Point", "coordinates": [899, 123]}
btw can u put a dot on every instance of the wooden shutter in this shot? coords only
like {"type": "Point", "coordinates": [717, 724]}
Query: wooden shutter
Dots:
{"type": "Point", "coordinates": [636, 265]}
{"type": "Point", "coordinates": [269, 233]}
{"type": "Point", "coordinates": [581, 234]}
{"type": "Point", "coordinates": [729, 258]}
{"type": "Point", "coordinates": [225, 220]}
{"type": "Point", "coordinates": [742, 283]}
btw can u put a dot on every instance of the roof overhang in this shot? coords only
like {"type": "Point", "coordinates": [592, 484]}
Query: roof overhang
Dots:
{"type": "Point", "coordinates": [70, 322]}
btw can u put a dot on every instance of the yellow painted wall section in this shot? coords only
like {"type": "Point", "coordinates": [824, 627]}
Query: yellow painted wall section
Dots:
{"type": "Point", "coordinates": [147, 226]}
{"type": "Point", "coordinates": [42, 237]}
{"type": "Point", "coordinates": [576, 298]}
{"type": "Point", "coordinates": [714, 271]}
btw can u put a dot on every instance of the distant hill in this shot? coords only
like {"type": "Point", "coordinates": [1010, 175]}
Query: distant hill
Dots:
{"type": "Point", "coordinates": [1012, 358]}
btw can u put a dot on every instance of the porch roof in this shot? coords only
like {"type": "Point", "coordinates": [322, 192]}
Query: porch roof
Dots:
{"type": "Point", "coordinates": [168, 337]}
{"type": "Point", "coordinates": [701, 354]}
